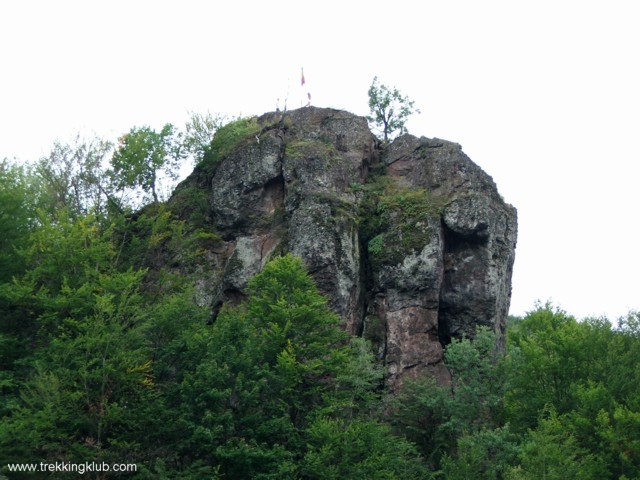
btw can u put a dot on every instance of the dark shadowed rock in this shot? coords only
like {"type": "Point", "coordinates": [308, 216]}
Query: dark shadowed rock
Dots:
{"type": "Point", "coordinates": [410, 257]}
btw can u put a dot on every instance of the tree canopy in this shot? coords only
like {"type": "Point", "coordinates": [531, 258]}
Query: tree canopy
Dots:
{"type": "Point", "coordinates": [389, 109]}
{"type": "Point", "coordinates": [143, 154]}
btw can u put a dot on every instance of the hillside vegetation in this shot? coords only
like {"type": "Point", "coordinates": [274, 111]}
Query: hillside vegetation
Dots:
{"type": "Point", "coordinates": [106, 357]}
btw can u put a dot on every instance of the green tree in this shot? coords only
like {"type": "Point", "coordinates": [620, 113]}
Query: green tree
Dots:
{"type": "Point", "coordinates": [73, 178]}
{"type": "Point", "coordinates": [143, 156]}
{"type": "Point", "coordinates": [547, 356]}
{"type": "Point", "coordinates": [618, 437]}
{"type": "Point", "coordinates": [488, 454]}
{"type": "Point", "coordinates": [337, 449]}
{"type": "Point", "coordinates": [83, 372]}
{"type": "Point", "coordinates": [92, 391]}
{"type": "Point", "coordinates": [586, 374]}
{"type": "Point", "coordinates": [89, 349]}
{"type": "Point", "coordinates": [276, 381]}
{"type": "Point", "coordinates": [259, 374]}
{"type": "Point", "coordinates": [389, 109]}
{"type": "Point", "coordinates": [551, 452]}
{"type": "Point", "coordinates": [435, 416]}
{"type": "Point", "coordinates": [199, 132]}
{"type": "Point", "coordinates": [17, 220]}
{"type": "Point", "coordinates": [17, 217]}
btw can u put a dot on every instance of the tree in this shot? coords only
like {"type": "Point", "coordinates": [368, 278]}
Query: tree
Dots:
{"type": "Point", "coordinates": [337, 450]}
{"type": "Point", "coordinates": [143, 155]}
{"type": "Point", "coordinates": [585, 372]}
{"type": "Point", "coordinates": [487, 454]}
{"type": "Point", "coordinates": [275, 387]}
{"type": "Point", "coordinates": [199, 131]}
{"type": "Point", "coordinates": [262, 370]}
{"type": "Point", "coordinates": [73, 177]}
{"type": "Point", "coordinates": [83, 370]}
{"type": "Point", "coordinates": [437, 417]}
{"type": "Point", "coordinates": [389, 109]}
{"type": "Point", "coordinates": [17, 214]}
{"type": "Point", "coordinates": [551, 354]}
{"type": "Point", "coordinates": [86, 350]}
{"type": "Point", "coordinates": [551, 452]}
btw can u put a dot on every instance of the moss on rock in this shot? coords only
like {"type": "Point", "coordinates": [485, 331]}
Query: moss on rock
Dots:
{"type": "Point", "coordinates": [395, 220]}
{"type": "Point", "coordinates": [228, 138]}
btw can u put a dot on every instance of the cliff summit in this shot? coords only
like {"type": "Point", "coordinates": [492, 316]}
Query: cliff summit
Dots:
{"type": "Point", "coordinates": [410, 241]}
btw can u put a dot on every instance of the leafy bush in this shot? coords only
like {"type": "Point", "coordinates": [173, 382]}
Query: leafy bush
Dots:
{"type": "Point", "coordinates": [226, 139]}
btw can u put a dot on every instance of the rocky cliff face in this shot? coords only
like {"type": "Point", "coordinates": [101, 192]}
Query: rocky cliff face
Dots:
{"type": "Point", "coordinates": [411, 244]}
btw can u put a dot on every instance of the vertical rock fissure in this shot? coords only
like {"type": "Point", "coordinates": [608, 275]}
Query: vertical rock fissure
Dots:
{"type": "Point", "coordinates": [465, 300]}
{"type": "Point", "coordinates": [443, 325]}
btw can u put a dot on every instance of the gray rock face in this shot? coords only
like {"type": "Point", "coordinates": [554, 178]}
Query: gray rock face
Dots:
{"type": "Point", "coordinates": [404, 297]}
{"type": "Point", "coordinates": [424, 257]}
{"type": "Point", "coordinates": [476, 243]}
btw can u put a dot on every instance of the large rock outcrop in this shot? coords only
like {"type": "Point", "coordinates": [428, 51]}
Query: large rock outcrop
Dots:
{"type": "Point", "coordinates": [411, 244]}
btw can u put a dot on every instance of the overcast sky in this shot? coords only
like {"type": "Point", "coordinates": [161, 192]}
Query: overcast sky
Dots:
{"type": "Point", "coordinates": [543, 95]}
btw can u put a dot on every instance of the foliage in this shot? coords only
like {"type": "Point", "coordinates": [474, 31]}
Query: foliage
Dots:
{"type": "Point", "coordinates": [226, 139]}
{"type": "Point", "coordinates": [575, 385]}
{"type": "Point", "coordinates": [199, 132]}
{"type": "Point", "coordinates": [105, 355]}
{"type": "Point", "coordinates": [550, 351]}
{"type": "Point", "coordinates": [143, 155]}
{"type": "Point", "coordinates": [73, 178]}
{"type": "Point", "coordinates": [562, 403]}
{"type": "Point", "coordinates": [487, 453]}
{"type": "Point", "coordinates": [88, 363]}
{"type": "Point", "coordinates": [551, 452]}
{"type": "Point", "coordinates": [376, 244]}
{"type": "Point", "coordinates": [190, 201]}
{"type": "Point", "coordinates": [400, 222]}
{"type": "Point", "coordinates": [389, 109]}
{"type": "Point", "coordinates": [87, 386]}
{"type": "Point", "coordinates": [17, 221]}
{"type": "Point", "coordinates": [272, 373]}
{"type": "Point", "coordinates": [17, 212]}
{"type": "Point", "coordinates": [436, 417]}
{"type": "Point", "coordinates": [358, 449]}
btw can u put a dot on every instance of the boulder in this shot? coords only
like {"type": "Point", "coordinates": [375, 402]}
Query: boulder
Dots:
{"type": "Point", "coordinates": [410, 242]}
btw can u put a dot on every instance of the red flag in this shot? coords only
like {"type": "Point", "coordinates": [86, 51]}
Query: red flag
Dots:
{"type": "Point", "coordinates": [302, 77]}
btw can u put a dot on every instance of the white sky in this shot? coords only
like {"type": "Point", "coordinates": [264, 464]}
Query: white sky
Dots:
{"type": "Point", "coordinates": [543, 95]}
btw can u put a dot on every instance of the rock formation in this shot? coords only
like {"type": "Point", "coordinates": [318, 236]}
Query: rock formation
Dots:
{"type": "Point", "coordinates": [411, 243]}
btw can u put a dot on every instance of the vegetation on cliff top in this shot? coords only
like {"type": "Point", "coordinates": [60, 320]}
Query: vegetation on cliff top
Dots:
{"type": "Point", "coordinates": [390, 109]}
{"type": "Point", "coordinates": [228, 136]}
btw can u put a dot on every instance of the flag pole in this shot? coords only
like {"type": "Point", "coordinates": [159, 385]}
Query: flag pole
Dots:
{"type": "Point", "coordinates": [302, 82]}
